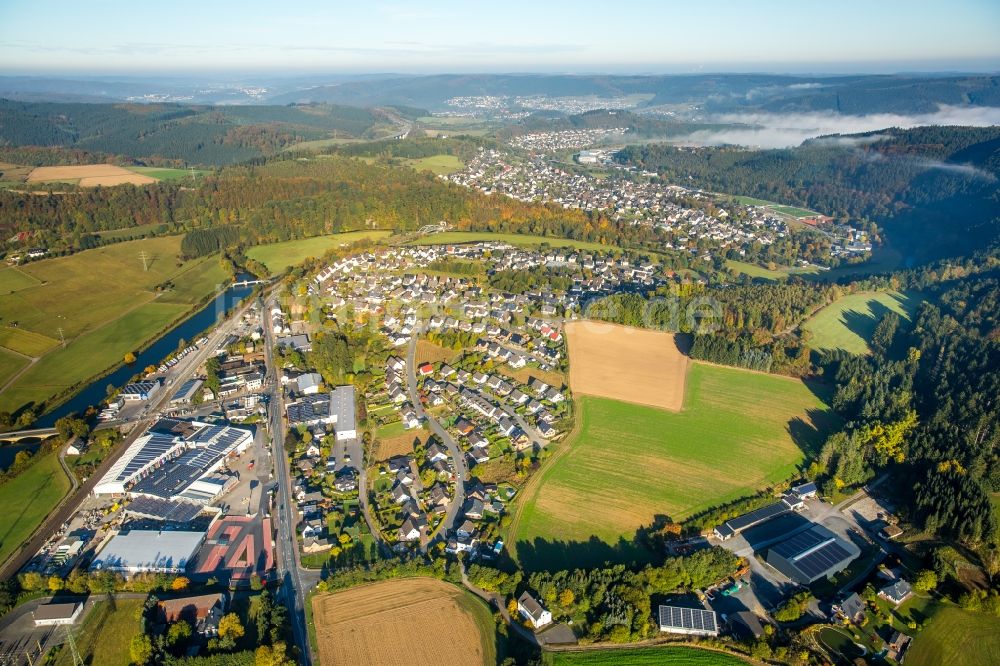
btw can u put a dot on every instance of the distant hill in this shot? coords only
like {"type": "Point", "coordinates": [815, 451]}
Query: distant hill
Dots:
{"type": "Point", "coordinates": [934, 189]}
{"type": "Point", "coordinates": [713, 92]}
{"type": "Point", "coordinates": [184, 133]}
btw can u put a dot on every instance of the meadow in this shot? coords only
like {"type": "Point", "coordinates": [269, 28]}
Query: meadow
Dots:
{"type": "Point", "coordinates": [10, 364]}
{"type": "Point", "coordinates": [280, 256]}
{"type": "Point", "coordinates": [389, 623]}
{"type": "Point", "coordinates": [848, 322]}
{"type": "Point", "coordinates": [625, 464]}
{"type": "Point", "coordinates": [958, 638]}
{"type": "Point", "coordinates": [105, 304]}
{"type": "Point", "coordinates": [105, 634]}
{"type": "Point", "coordinates": [648, 656]}
{"type": "Point", "coordinates": [437, 164]}
{"type": "Point", "coordinates": [162, 173]}
{"type": "Point", "coordinates": [755, 271]}
{"type": "Point", "coordinates": [27, 499]}
{"type": "Point", "coordinates": [522, 240]}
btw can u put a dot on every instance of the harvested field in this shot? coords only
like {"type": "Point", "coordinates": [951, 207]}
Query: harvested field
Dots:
{"type": "Point", "coordinates": [389, 623]}
{"type": "Point", "coordinates": [400, 445]}
{"type": "Point", "coordinates": [89, 175]}
{"type": "Point", "coordinates": [428, 352]}
{"type": "Point", "coordinates": [627, 364]}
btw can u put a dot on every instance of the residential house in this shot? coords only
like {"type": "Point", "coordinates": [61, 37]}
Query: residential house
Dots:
{"type": "Point", "coordinates": [532, 611]}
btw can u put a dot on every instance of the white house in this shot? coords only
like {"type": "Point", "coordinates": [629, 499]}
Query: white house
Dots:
{"type": "Point", "coordinates": [532, 611]}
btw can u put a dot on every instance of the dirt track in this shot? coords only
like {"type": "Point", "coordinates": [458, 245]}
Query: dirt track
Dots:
{"type": "Point", "coordinates": [629, 364]}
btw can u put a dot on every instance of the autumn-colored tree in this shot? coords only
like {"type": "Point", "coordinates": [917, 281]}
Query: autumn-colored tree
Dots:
{"type": "Point", "coordinates": [180, 583]}
{"type": "Point", "coordinates": [129, 358]}
{"type": "Point", "coordinates": [231, 627]}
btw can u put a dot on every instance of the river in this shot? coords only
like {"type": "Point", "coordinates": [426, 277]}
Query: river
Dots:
{"type": "Point", "coordinates": [190, 330]}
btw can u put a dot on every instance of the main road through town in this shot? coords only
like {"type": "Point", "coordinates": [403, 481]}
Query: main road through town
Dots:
{"type": "Point", "coordinates": [294, 580]}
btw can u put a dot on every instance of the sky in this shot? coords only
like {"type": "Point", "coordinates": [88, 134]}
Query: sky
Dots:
{"type": "Point", "coordinates": [78, 37]}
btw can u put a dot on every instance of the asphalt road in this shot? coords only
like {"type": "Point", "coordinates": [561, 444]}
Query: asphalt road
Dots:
{"type": "Point", "coordinates": [286, 546]}
{"type": "Point", "coordinates": [461, 471]}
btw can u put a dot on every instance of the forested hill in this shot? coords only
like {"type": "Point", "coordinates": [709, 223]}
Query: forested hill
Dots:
{"type": "Point", "coordinates": [934, 189]}
{"type": "Point", "coordinates": [167, 133]}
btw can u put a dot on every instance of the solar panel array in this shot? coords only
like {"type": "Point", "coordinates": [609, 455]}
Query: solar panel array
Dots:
{"type": "Point", "coordinates": [161, 509]}
{"type": "Point", "coordinates": [309, 409]}
{"type": "Point", "coordinates": [688, 619]}
{"type": "Point", "coordinates": [798, 544]}
{"type": "Point", "coordinates": [156, 446]}
{"type": "Point", "coordinates": [821, 560]}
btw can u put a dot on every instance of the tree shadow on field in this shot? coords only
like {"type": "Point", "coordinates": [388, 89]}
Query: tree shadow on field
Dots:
{"type": "Point", "coordinates": [863, 324]}
{"type": "Point", "coordinates": [552, 556]}
{"type": "Point", "coordinates": [810, 433]}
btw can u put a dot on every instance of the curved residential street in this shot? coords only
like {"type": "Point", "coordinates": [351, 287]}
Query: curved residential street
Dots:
{"type": "Point", "coordinates": [461, 470]}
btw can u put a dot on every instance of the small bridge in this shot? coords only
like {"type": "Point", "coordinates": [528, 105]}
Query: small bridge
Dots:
{"type": "Point", "coordinates": [18, 435]}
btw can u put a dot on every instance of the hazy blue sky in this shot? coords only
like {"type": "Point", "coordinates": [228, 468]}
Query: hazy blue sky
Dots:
{"type": "Point", "coordinates": [106, 36]}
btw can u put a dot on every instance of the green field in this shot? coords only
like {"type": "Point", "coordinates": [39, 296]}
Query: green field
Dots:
{"type": "Point", "coordinates": [9, 365]}
{"type": "Point", "coordinates": [105, 634]}
{"type": "Point", "coordinates": [848, 323]}
{"type": "Point", "coordinates": [15, 279]}
{"type": "Point", "coordinates": [105, 304]}
{"type": "Point", "coordinates": [650, 656]}
{"type": "Point", "coordinates": [25, 342]}
{"type": "Point", "coordinates": [279, 256]}
{"type": "Point", "coordinates": [753, 270]}
{"type": "Point", "coordinates": [957, 638]}
{"type": "Point", "coordinates": [738, 432]}
{"type": "Point", "coordinates": [161, 173]}
{"type": "Point", "coordinates": [438, 164]}
{"type": "Point", "coordinates": [27, 499]}
{"type": "Point", "coordinates": [514, 239]}
{"type": "Point", "coordinates": [793, 211]}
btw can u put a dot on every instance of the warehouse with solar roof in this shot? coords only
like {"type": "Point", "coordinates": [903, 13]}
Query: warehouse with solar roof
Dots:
{"type": "Point", "coordinates": [813, 554]}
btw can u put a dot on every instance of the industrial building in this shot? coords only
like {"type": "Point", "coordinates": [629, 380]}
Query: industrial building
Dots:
{"type": "Point", "coordinates": [140, 551]}
{"type": "Point", "coordinates": [140, 390]}
{"type": "Point", "coordinates": [186, 392]}
{"type": "Point", "coordinates": [813, 554]}
{"type": "Point", "coordinates": [175, 460]}
{"type": "Point", "coordinates": [335, 408]}
{"type": "Point", "coordinates": [52, 615]}
{"type": "Point", "coordinates": [691, 621]}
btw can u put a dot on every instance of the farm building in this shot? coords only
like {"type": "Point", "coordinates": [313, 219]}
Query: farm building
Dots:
{"type": "Point", "coordinates": [532, 611]}
{"type": "Point", "coordinates": [813, 554]}
{"type": "Point", "coordinates": [140, 551]}
{"type": "Point", "coordinates": [734, 526]}
{"type": "Point", "coordinates": [691, 621]}
{"type": "Point", "coordinates": [50, 615]}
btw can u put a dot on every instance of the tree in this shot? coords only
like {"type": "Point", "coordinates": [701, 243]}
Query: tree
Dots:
{"type": "Point", "coordinates": [179, 633]}
{"type": "Point", "coordinates": [272, 656]}
{"type": "Point", "coordinates": [129, 358]}
{"type": "Point", "coordinates": [566, 598]}
{"type": "Point", "coordinates": [32, 581]}
{"type": "Point", "coordinates": [256, 584]}
{"type": "Point", "coordinates": [231, 627]}
{"type": "Point", "coordinates": [140, 649]}
{"type": "Point", "coordinates": [56, 583]}
{"type": "Point", "coordinates": [926, 580]}
{"type": "Point", "coordinates": [180, 583]}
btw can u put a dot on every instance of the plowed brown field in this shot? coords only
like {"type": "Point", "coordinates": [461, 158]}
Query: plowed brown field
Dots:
{"type": "Point", "coordinates": [405, 622]}
{"type": "Point", "coordinates": [89, 175]}
{"type": "Point", "coordinates": [629, 364]}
